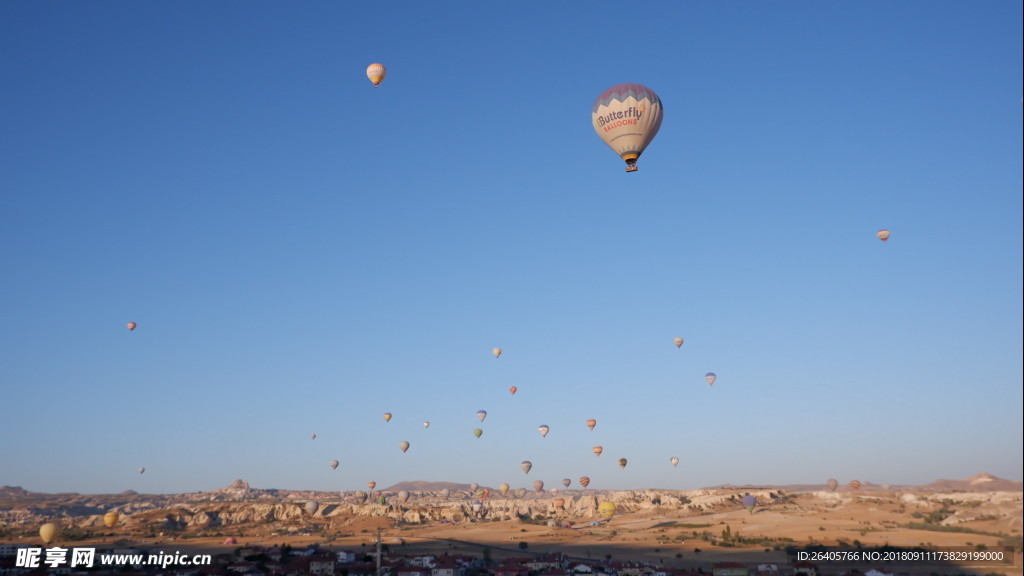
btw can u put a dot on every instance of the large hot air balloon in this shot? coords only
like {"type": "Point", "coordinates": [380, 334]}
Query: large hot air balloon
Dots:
{"type": "Point", "coordinates": [832, 484]}
{"type": "Point", "coordinates": [749, 502]}
{"type": "Point", "coordinates": [481, 414]}
{"type": "Point", "coordinates": [627, 117]}
{"type": "Point", "coordinates": [513, 390]}
{"type": "Point", "coordinates": [674, 461]}
{"type": "Point", "coordinates": [334, 464]}
{"type": "Point", "coordinates": [679, 342]}
{"type": "Point", "coordinates": [360, 497]}
{"type": "Point", "coordinates": [526, 465]}
{"type": "Point", "coordinates": [622, 463]}
{"type": "Point", "coordinates": [543, 429]}
{"type": "Point", "coordinates": [584, 481]}
{"type": "Point", "coordinates": [883, 235]}
{"type": "Point", "coordinates": [711, 377]}
{"type": "Point", "coordinates": [131, 326]}
{"type": "Point", "coordinates": [312, 506]}
{"type": "Point", "coordinates": [371, 485]}
{"type": "Point", "coordinates": [496, 352]}
{"type": "Point", "coordinates": [403, 496]}
{"type": "Point", "coordinates": [538, 485]}
{"type": "Point", "coordinates": [855, 484]}
{"type": "Point", "coordinates": [503, 488]}
{"type": "Point", "coordinates": [598, 450]}
{"type": "Point", "coordinates": [591, 423]}
{"type": "Point", "coordinates": [606, 510]}
{"type": "Point", "coordinates": [566, 482]}
{"type": "Point", "coordinates": [387, 416]}
{"type": "Point", "coordinates": [478, 432]}
{"type": "Point", "coordinates": [49, 532]}
{"type": "Point", "coordinates": [376, 73]}
{"type": "Point", "coordinates": [111, 518]}
{"type": "Point", "coordinates": [403, 445]}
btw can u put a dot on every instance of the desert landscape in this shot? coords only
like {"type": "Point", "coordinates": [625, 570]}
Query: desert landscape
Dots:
{"type": "Point", "coordinates": [690, 530]}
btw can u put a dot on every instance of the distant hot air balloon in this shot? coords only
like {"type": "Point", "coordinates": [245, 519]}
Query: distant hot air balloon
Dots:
{"type": "Point", "coordinates": [481, 414]}
{"type": "Point", "coordinates": [832, 484]}
{"type": "Point", "coordinates": [111, 518]}
{"type": "Point", "coordinates": [387, 416]}
{"type": "Point", "coordinates": [445, 492]}
{"type": "Point", "coordinates": [142, 470]}
{"type": "Point", "coordinates": [312, 436]}
{"type": "Point", "coordinates": [679, 342]}
{"type": "Point", "coordinates": [520, 492]}
{"type": "Point", "coordinates": [473, 487]}
{"type": "Point", "coordinates": [403, 496]}
{"type": "Point", "coordinates": [526, 465]}
{"type": "Point", "coordinates": [376, 73]}
{"type": "Point", "coordinates": [334, 464]}
{"type": "Point", "coordinates": [312, 506]}
{"type": "Point", "coordinates": [584, 481]}
{"type": "Point", "coordinates": [478, 432]}
{"type": "Point", "coordinates": [674, 461]}
{"type": "Point", "coordinates": [598, 450]}
{"type": "Point", "coordinates": [855, 484]}
{"type": "Point", "coordinates": [591, 423]}
{"type": "Point", "coordinates": [543, 429]}
{"type": "Point", "coordinates": [371, 485]}
{"type": "Point", "coordinates": [49, 532]}
{"type": "Point", "coordinates": [749, 502]}
{"type": "Point", "coordinates": [496, 352]}
{"type": "Point", "coordinates": [883, 235]}
{"type": "Point", "coordinates": [403, 445]}
{"type": "Point", "coordinates": [503, 488]}
{"type": "Point", "coordinates": [477, 506]}
{"type": "Point", "coordinates": [711, 377]}
{"type": "Point", "coordinates": [426, 424]}
{"type": "Point", "coordinates": [360, 497]}
{"type": "Point", "coordinates": [607, 510]}
{"type": "Point", "coordinates": [627, 117]}
{"type": "Point", "coordinates": [538, 485]}
{"type": "Point", "coordinates": [513, 390]}
{"type": "Point", "coordinates": [559, 503]}
{"type": "Point", "coordinates": [131, 326]}
{"type": "Point", "coordinates": [230, 541]}
{"type": "Point", "coordinates": [622, 463]}
{"type": "Point", "coordinates": [566, 482]}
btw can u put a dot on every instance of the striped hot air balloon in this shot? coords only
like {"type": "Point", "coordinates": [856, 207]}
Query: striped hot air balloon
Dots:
{"type": "Point", "coordinates": [376, 73]}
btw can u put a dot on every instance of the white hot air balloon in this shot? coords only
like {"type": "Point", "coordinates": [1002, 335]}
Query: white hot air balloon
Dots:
{"type": "Point", "coordinates": [627, 117]}
{"type": "Point", "coordinates": [376, 73]}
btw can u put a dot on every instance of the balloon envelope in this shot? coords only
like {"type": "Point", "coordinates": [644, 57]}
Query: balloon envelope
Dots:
{"type": "Point", "coordinates": [445, 492]}
{"type": "Point", "coordinates": [855, 484]}
{"type": "Point", "coordinates": [503, 488]}
{"type": "Point", "coordinates": [142, 470]}
{"type": "Point", "coordinates": [481, 414]}
{"type": "Point", "coordinates": [312, 506]}
{"type": "Point", "coordinates": [404, 445]}
{"type": "Point", "coordinates": [711, 377]}
{"type": "Point", "coordinates": [749, 502]}
{"type": "Point", "coordinates": [376, 73]}
{"type": "Point", "coordinates": [334, 464]}
{"type": "Point", "coordinates": [679, 342]}
{"type": "Point", "coordinates": [598, 450]}
{"type": "Point", "coordinates": [131, 326]}
{"type": "Point", "coordinates": [607, 510]}
{"type": "Point", "coordinates": [622, 462]}
{"type": "Point", "coordinates": [496, 352]}
{"type": "Point", "coordinates": [538, 485]}
{"type": "Point", "coordinates": [49, 532]}
{"type": "Point", "coordinates": [387, 416]}
{"type": "Point", "coordinates": [591, 423]}
{"type": "Point", "coordinates": [110, 518]}
{"type": "Point", "coordinates": [371, 485]}
{"type": "Point", "coordinates": [674, 461]}
{"type": "Point", "coordinates": [526, 465]}
{"type": "Point", "coordinates": [627, 117]}
{"type": "Point", "coordinates": [426, 424]}
{"type": "Point", "coordinates": [566, 482]}
{"type": "Point", "coordinates": [543, 429]}
{"type": "Point", "coordinates": [403, 496]}
{"type": "Point", "coordinates": [478, 432]}
{"type": "Point", "coordinates": [883, 235]}
{"type": "Point", "coordinates": [832, 483]}
{"type": "Point", "coordinates": [559, 503]}
{"type": "Point", "coordinates": [584, 481]}
{"type": "Point", "coordinates": [513, 390]}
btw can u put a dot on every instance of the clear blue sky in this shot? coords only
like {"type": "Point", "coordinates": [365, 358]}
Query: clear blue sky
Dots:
{"type": "Point", "coordinates": [303, 252]}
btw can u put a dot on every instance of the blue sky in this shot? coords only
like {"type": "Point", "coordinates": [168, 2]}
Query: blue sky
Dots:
{"type": "Point", "coordinates": [303, 252]}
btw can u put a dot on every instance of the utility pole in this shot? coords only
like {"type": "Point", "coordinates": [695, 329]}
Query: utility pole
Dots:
{"type": "Point", "coordinates": [378, 551]}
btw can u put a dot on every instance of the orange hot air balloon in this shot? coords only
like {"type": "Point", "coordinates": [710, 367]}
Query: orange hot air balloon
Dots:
{"type": "Point", "coordinates": [376, 73]}
{"type": "Point", "coordinates": [855, 484]}
{"type": "Point", "coordinates": [598, 450]}
{"type": "Point", "coordinates": [387, 416]}
{"type": "Point", "coordinates": [513, 390]}
{"type": "Point", "coordinates": [371, 485]}
{"type": "Point", "coordinates": [883, 235]}
{"type": "Point", "coordinates": [110, 518]}
{"type": "Point", "coordinates": [559, 503]}
{"type": "Point", "coordinates": [496, 352]}
{"type": "Point", "coordinates": [403, 445]}
{"type": "Point", "coordinates": [131, 326]}
{"type": "Point", "coordinates": [591, 423]}
{"type": "Point", "coordinates": [584, 481]}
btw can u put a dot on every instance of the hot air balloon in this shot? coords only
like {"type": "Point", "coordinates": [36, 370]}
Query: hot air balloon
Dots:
{"type": "Point", "coordinates": [520, 492]}
{"type": "Point", "coordinates": [543, 429]}
{"type": "Point", "coordinates": [566, 482]}
{"type": "Point", "coordinates": [387, 416]}
{"type": "Point", "coordinates": [111, 518]}
{"type": "Point", "coordinates": [674, 461]}
{"type": "Point", "coordinates": [131, 326]}
{"type": "Point", "coordinates": [598, 450]}
{"type": "Point", "coordinates": [426, 424]}
{"type": "Point", "coordinates": [591, 423]}
{"type": "Point", "coordinates": [606, 510]}
{"type": "Point", "coordinates": [679, 342]}
{"type": "Point", "coordinates": [832, 484]}
{"type": "Point", "coordinates": [312, 436]}
{"type": "Point", "coordinates": [883, 235]}
{"type": "Point", "coordinates": [622, 463]}
{"type": "Point", "coordinates": [230, 541]}
{"type": "Point", "coordinates": [403, 445]}
{"type": "Point", "coordinates": [478, 432]}
{"type": "Point", "coordinates": [49, 532]}
{"type": "Point", "coordinates": [382, 500]}
{"type": "Point", "coordinates": [749, 502]}
{"type": "Point", "coordinates": [481, 414]}
{"type": "Point", "coordinates": [334, 464]}
{"type": "Point", "coordinates": [312, 506]}
{"type": "Point", "coordinates": [360, 497]}
{"type": "Point", "coordinates": [559, 503]}
{"type": "Point", "coordinates": [142, 470]}
{"type": "Point", "coordinates": [627, 117]}
{"type": "Point", "coordinates": [855, 484]}
{"type": "Point", "coordinates": [403, 496]}
{"type": "Point", "coordinates": [477, 506]}
{"type": "Point", "coordinates": [473, 487]}
{"type": "Point", "coordinates": [538, 485]}
{"type": "Point", "coordinates": [371, 485]}
{"type": "Point", "coordinates": [376, 73]}
{"type": "Point", "coordinates": [503, 488]}
{"type": "Point", "coordinates": [526, 465]}
{"type": "Point", "coordinates": [513, 390]}
{"type": "Point", "coordinates": [711, 377]}
{"type": "Point", "coordinates": [584, 481]}
{"type": "Point", "coordinates": [445, 492]}
{"type": "Point", "coordinates": [496, 352]}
